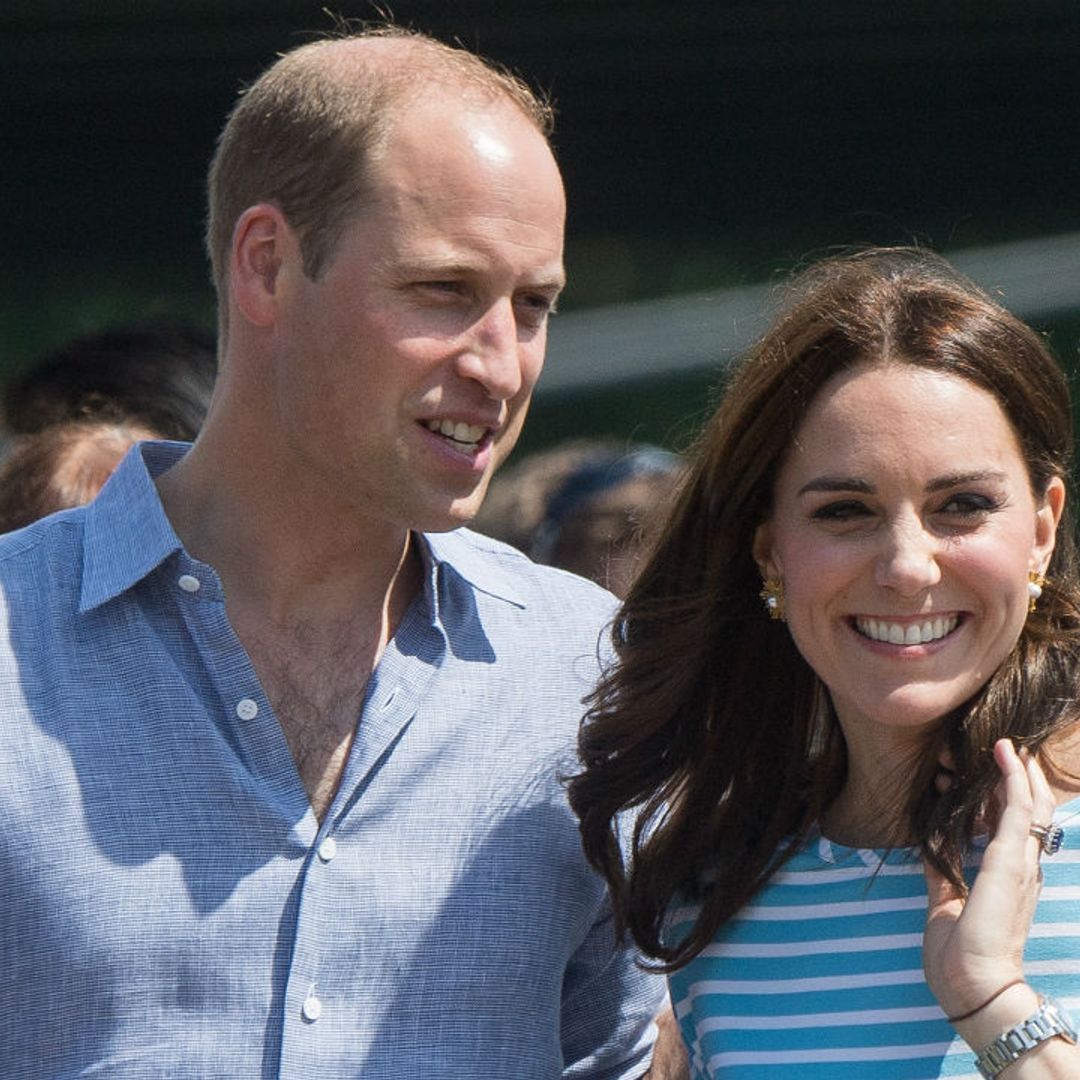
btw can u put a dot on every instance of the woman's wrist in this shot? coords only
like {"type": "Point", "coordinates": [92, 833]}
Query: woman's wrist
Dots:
{"type": "Point", "coordinates": [969, 1013]}
{"type": "Point", "coordinates": [1043, 1044]}
{"type": "Point", "coordinates": [1012, 1006]}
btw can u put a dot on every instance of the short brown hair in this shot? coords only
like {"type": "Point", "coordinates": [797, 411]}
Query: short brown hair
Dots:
{"type": "Point", "coordinates": [304, 134]}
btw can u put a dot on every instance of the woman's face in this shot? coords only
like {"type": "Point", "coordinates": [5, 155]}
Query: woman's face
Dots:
{"type": "Point", "coordinates": [903, 528]}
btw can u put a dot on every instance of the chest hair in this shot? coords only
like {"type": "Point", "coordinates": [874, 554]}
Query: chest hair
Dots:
{"type": "Point", "coordinates": [315, 677]}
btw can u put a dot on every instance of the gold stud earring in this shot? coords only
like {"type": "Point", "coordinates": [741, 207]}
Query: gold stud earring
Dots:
{"type": "Point", "coordinates": [772, 593]}
{"type": "Point", "coordinates": [1035, 588]}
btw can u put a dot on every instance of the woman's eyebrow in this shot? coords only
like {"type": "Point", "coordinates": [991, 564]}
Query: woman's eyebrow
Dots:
{"type": "Point", "coordinates": [939, 483]}
{"type": "Point", "coordinates": [837, 483]}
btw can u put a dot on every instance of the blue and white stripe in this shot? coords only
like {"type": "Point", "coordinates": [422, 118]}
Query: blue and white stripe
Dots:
{"type": "Point", "coordinates": [822, 974]}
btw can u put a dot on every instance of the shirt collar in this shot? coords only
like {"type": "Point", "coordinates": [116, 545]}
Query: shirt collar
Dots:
{"type": "Point", "coordinates": [469, 556]}
{"type": "Point", "coordinates": [127, 533]}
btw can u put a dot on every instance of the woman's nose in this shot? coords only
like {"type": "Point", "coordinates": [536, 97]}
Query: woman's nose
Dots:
{"type": "Point", "coordinates": [908, 561]}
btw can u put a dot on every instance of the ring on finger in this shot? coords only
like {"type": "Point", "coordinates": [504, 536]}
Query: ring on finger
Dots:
{"type": "Point", "coordinates": [1050, 837]}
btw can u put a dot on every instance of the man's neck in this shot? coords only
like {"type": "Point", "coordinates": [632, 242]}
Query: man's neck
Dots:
{"type": "Point", "coordinates": [314, 602]}
{"type": "Point", "coordinates": [280, 560]}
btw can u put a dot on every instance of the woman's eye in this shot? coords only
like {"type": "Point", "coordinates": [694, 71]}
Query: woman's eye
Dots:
{"type": "Point", "coordinates": [842, 510]}
{"type": "Point", "coordinates": [968, 504]}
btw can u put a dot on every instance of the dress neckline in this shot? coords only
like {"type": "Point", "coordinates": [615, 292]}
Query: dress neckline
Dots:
{"type": "Point", "coordinates": [837, 854]}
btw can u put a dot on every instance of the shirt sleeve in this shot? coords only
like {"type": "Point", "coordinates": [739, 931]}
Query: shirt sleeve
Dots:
{"type": "Point", "coordinates": [608, 1008]}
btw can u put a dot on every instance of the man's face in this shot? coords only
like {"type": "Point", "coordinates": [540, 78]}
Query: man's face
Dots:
{"type": "Point", "coordinates": [404, 373]}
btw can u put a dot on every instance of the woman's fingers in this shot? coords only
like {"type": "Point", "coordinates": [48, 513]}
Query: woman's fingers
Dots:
{"type": "Point", "coordinates": [1026, 799]}
{"type": "Point", "coordinates": [1042, 797]}
{"type": "Point", "coordinates": [1015, 800]}
{"type": "Point", "coordinates": [976, 944]}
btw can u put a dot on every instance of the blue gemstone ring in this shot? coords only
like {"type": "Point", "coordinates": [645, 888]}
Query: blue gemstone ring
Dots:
{"type": "Point", "coordinates": [1050, 837]}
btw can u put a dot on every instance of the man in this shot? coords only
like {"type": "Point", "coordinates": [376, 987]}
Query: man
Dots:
{"type": "Point", "coordinates": [211, 867]}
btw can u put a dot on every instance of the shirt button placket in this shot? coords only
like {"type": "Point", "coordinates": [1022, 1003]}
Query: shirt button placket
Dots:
{"type": "Point", "coordinates": [247, 709]}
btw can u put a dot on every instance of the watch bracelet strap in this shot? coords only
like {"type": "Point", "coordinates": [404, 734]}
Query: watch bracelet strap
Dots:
{"type": "Point", "coordinates": [1045, 1023]}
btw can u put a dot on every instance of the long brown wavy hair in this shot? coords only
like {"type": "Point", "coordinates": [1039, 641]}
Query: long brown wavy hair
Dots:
{"type": "Point", "coordinates": [711, 742]}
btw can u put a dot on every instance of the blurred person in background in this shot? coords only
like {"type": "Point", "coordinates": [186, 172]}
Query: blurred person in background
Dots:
{"type": "Point", "coordinates": [70, 418]}
{"type": "Point", "coordinates": [287, 800]}
{"type": "Point", "coordinates": [157, 374]}
{"type": "Point", "coordinates": [590, 506]}
{"type": "Point", "coordinates": [62, 466]}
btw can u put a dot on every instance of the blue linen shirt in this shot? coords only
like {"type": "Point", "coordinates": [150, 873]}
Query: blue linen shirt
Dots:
{"type": "Point", "coordinates": [171, 907]}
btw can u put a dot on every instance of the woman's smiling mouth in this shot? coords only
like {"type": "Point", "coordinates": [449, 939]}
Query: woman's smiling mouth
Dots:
{"type": "Point", "coordinates": [919, 632]}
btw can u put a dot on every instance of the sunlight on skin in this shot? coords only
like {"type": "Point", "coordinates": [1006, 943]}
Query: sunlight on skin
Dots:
{"type": "Point", "coordinates": [489, 146]}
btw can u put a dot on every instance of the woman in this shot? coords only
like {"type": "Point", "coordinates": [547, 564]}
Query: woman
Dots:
{"type": "Point", "coordinates": [840, 604]}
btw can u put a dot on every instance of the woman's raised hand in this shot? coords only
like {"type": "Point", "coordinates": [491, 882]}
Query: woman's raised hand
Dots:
{"type": "Point", "coordinates": [975, 946]}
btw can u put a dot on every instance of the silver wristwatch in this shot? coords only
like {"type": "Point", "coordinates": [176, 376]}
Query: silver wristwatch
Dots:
{"type": "Point", "coordinates": [1049, 1021]}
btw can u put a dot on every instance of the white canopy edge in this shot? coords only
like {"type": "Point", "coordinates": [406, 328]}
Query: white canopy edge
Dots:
{"type": "Point", "coordinates": [587, 349]}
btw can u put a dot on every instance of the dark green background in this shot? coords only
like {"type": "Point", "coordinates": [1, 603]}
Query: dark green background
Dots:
{"type": "Point", "coordinates": [704, 144]}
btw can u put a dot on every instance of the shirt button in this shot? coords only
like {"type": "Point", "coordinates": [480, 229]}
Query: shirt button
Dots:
{"type": "Point", "coordinates": [328, 849]}
{"type": "Point", "coordinates": [311, 1010]}
{"type": "Point", "coordinates": [247, 709]}
{"type": "Point", "coordinates": [189, 583]}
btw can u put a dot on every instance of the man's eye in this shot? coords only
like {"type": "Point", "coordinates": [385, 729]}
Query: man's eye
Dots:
{"type": "Point", "coordinates": [534, 308]}
{"type": "Point", "coordinates": [537, 302]}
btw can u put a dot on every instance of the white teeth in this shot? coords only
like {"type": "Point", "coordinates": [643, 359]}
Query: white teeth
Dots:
{"type": "Point", "coordinates": [458, 431]}
{"type": "Point", "coordinates": [909, 633]}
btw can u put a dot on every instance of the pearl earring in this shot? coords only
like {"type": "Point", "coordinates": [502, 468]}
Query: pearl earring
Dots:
{"type": "Point", "coordinates": [1035, 588]}
{"type": "Point", "coordinates": [772, 593]}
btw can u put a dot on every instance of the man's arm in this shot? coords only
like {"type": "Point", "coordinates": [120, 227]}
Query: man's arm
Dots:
{"type": "Point", "coordinates": [609, 1003]}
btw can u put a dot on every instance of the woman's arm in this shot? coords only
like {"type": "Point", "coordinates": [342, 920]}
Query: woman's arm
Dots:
{"type": "Point", "coordinates": [973, 949]}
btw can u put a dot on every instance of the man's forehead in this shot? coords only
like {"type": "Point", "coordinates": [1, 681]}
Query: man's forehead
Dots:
{"type": "Point", "coordinates": [472, 162]}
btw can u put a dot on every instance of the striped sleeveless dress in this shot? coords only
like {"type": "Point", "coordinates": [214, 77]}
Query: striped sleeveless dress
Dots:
{"type": "Point", "coordinates": [820, 977]}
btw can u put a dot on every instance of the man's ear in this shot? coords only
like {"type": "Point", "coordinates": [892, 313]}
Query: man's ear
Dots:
{"type": "Point", "coordinates": [262, 240]}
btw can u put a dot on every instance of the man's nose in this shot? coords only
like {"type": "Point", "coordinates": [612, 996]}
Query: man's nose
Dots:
{"type": "Point", "coordinates": [492, 355]}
